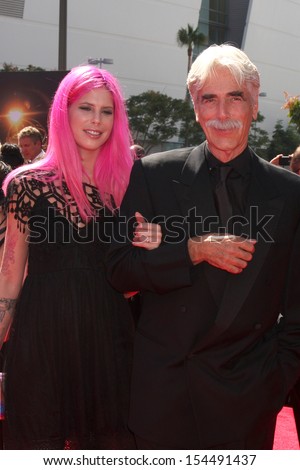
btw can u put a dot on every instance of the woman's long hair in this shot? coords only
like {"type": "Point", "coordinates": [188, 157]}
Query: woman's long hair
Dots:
{"type": "Point", "coordinates": [114, 162]}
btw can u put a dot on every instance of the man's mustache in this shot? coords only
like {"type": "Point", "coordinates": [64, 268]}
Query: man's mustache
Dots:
{"type": "Point", "coordinates": [224, 125]}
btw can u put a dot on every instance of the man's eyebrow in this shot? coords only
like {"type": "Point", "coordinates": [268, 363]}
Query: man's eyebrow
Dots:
{"type": "Point", "coordinates": [208, 96]}
{"type": "Point", "coordinates": [237, 93]}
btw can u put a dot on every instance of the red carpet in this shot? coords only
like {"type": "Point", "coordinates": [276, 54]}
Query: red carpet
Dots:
{"type": "Point", "coordinates": [286, 434]}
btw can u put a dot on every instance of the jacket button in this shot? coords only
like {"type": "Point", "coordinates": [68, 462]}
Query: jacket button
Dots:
{"type": "Point", "coordinates": [257, 326]}
{"type": "Point", "coordinates": [183, 308]}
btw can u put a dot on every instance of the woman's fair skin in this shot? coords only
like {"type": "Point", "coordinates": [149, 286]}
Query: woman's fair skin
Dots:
{"type": "Point", "coordinates": [91, 120]}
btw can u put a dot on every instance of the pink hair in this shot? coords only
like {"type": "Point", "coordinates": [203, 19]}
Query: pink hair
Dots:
{"type": "Point", "coordinates": [113, 165]}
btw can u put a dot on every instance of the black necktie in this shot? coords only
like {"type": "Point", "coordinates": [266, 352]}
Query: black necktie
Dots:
{"type": "Point", "coordinates": [223, 201]}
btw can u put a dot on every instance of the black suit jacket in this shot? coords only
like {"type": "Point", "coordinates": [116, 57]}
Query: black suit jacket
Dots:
{"type": "Point", "coordinates": [210, 373]}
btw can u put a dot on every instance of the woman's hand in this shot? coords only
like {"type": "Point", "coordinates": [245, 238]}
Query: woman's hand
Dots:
{"type": "Point", "coordinates": [146, 235]}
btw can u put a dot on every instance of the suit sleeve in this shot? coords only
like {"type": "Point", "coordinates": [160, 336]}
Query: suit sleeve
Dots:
{"type": "Point", "coordinates": [289, 336]}
{"type": "Point", "coordinates": [132, 268]}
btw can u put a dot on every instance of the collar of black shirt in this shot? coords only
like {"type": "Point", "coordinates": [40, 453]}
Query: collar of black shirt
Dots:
{"type": "Point", "coordinates": [241, 164]}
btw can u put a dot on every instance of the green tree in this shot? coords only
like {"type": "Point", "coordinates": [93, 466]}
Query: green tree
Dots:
{"type": "Point", "coordinates": [190, 37]}
{"type": "Point", "coordinates": [190, 132]}
{"type": "Point", "coordinates": [153, 118]}
{"type": "Point", "coordinates": [13, 68]}
{"type": "Point", "coordinates": [258, 138]}
{"type": "Point", "coordinates": [292, 103]}
{"type": "Point", "coordinates": [32, 68]}
{"type": "Point", "coordinates": [9, 68]}
{"type": "Point", "coordinates": [283, 140]}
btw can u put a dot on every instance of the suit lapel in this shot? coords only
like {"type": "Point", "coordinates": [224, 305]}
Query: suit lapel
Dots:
{"type": "Point", "coordinates": [265, 204]}
{"type": "Point", "coordinates": [193, 191]}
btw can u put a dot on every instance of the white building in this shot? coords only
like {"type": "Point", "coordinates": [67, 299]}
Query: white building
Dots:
{"type": "Point", "coordinates": [272, 40]}
{"type": "Point", "coordinates": [140, 37]}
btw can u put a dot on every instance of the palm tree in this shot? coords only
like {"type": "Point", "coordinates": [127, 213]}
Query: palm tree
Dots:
{"type": "Point", "coordinates": [189, 37]}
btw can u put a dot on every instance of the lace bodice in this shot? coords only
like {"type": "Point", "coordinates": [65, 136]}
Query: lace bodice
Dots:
{"type": "Point", "coordinates": [24, 192]}
{"type": "Point", "coordinates": [57, 236]}
{"type": "Point", "coordinates": [29, 197]}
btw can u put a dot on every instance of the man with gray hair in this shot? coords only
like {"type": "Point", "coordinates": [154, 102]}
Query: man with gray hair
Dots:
{"type": "Point", "coordinates": [30, 142]}
{"type": "Point", "coordinates": [217, 346]}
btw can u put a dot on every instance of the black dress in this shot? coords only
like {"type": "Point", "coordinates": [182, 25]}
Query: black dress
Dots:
{"type": "Point", "coordinates": [68, 357]}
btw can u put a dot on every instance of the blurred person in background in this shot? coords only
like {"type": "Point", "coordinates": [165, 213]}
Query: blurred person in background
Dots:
{"type": "Point", "coordinates": [138, 151]}
{"type": "Point", "coordinates": [290, 162]}
{"type": "Point", "coordinates": [11, 155]}
{"type": "Point", "coordinates": [4, 170]}
{"type": "Point", "coordinates": [30, 142]}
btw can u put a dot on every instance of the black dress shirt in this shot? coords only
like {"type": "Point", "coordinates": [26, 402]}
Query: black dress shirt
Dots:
{"type": "Point", "coordinates": [238, 180]}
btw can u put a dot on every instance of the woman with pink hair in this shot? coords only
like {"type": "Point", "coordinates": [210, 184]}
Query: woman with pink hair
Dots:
{"type": "Point", "coordinates": [68, 352]}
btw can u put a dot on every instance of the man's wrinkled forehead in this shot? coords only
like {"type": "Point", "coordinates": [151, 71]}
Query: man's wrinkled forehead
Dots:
{"type": "Point", "coordinates": [215, 87]}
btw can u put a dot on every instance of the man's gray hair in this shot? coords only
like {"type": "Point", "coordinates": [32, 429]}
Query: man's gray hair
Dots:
{"type": "Point", "coordinates": [223, 56]}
